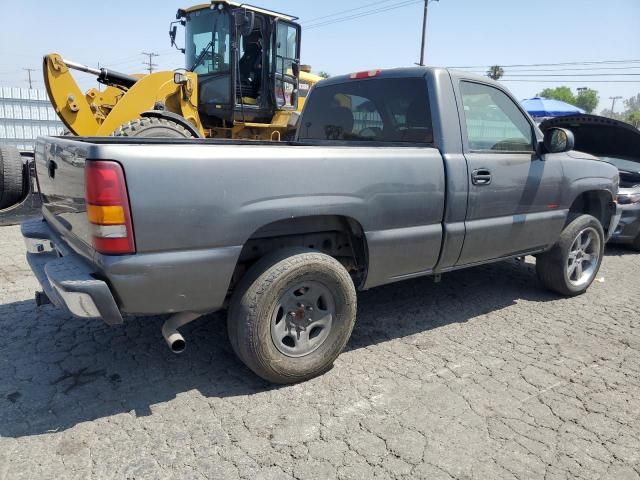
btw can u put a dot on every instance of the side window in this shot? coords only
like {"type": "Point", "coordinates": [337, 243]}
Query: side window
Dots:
{"type": "Point", "coordinates": [394, 110]}
{"type": "Point", "coordinates": [286, 54]}
{"type": "Point", "coordinates": [494, 122]}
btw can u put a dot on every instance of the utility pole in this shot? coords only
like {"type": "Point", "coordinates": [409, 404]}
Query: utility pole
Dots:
{"type": "Point", "coordinates": [29, 70]}
{"type": "Point", "coordinates": [424, 30]}
{"type": "Point", "coordinates": [150, 63]}
{"type": "Point", "coordinates": [613, 103]}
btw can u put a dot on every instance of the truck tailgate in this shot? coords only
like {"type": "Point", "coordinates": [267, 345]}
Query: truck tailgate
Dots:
{"type": "Point", "coordinates": [60, 173]}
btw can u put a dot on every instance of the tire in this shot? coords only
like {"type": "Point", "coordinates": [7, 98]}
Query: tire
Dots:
{"type": "Point", "coordinates": [570, 267]}
{"type": "Point", "coordinates": [11, 177]}
{"type": "Point", "coordinates": [276, 350]}
{"type": "Point", "coordinates": [152, 127]}
{"type": "Point", "coordinates": [635, 245]}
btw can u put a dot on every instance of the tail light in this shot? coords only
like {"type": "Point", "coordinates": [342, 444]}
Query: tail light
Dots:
{"type": "Point", "coordinates": [366, 74]}
{"type": "Point", "coordinates": [108, 208]}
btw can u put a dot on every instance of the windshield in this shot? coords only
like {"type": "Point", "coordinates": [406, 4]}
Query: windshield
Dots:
{"type": "Point", "coordinates": [208, 41]}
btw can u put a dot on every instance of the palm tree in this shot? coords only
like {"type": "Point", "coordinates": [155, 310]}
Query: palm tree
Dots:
{"type": "Point", "coordinates": [496, 72]}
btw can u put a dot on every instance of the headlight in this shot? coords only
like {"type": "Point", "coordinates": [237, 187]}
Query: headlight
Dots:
{"type": "Point", "coordinates": [628, 198]}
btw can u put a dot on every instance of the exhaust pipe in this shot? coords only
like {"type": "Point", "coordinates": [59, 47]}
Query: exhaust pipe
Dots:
{"type": "Point", "coordinates": [174, 339]}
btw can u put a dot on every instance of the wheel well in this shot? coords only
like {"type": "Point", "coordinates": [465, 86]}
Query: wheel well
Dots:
{"type": "Point", "coordinates": [338, 236]}
{"type": "Point", "coordinates": [597, 203]}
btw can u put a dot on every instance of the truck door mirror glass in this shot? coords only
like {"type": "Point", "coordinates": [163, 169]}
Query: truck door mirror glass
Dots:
{"type": "Point", "coordinates": [558, 140]}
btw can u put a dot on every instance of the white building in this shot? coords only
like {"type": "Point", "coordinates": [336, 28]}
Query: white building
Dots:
{"type": "Point", "coordinates": [26, 114]}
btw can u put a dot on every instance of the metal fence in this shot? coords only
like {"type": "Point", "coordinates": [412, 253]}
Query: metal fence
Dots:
{"type": "Point", "coordinates": [26, 114]}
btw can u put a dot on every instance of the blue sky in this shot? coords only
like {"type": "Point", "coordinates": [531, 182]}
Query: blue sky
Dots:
{"type": "Point", "coordinates": [461, 32]}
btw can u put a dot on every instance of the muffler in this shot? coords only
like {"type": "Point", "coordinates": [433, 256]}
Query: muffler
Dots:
{"type": "Point", "coordinates": [174, 339]}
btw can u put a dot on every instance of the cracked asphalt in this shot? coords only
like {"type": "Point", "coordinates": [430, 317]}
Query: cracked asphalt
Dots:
{"type": "Point", "coordinates": [482, 376]}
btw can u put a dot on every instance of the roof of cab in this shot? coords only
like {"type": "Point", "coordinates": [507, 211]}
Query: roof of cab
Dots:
{"type": "Point", "coordinates": [263, 11]}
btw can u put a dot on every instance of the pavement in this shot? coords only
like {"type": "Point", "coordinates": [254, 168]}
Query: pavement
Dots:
{"type": "Point", "coordinates": [482, 376]}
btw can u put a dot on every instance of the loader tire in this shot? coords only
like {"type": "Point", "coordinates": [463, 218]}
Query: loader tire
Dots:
{"type": "Point", "coordinates": [151, 127]}
{"type": "Point", "coordinates": [11, 181]}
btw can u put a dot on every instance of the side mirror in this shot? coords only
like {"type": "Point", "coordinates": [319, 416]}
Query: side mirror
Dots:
{"type": "Point", "coordinates": [558, 140]}
{"type": "Point", "coordinates": [245, 22]}
{"type": "Point", "coordinates": [172, 35]}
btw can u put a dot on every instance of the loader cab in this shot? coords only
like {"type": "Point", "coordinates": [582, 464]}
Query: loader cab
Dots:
{"type": "Point", "coordinates": [247, 61]}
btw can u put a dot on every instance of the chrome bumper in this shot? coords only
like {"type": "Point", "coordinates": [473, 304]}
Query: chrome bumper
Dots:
{"type": "Point", "coordinates": [615, 219]}
{"type": "Point", "coordinates": [66, 279]}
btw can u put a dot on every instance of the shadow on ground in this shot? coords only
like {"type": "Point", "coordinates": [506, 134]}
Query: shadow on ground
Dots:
{"type": "Point", "coordinates": [56, 372]}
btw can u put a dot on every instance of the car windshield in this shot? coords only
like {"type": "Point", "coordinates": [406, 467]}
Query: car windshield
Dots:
{"type": "Point", "coordinates": [627, 164]}
{"type": "Point", "coordinates": [208, 43]}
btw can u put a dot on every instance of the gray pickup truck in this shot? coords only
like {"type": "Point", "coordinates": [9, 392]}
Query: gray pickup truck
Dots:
{"type": "Point", "coordinates": [392, 175]}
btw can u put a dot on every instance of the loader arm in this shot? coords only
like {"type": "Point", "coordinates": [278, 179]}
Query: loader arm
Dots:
{"type": "Point", "coordinates": [72, 106]}
{"type": "Point", "coordinates": [96, 113]}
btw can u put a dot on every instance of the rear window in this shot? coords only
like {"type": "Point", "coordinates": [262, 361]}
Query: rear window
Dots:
{"type": "Point", "coordinates": [394, 110]}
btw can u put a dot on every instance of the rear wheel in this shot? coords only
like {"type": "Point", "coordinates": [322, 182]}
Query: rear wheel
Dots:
{"type": "Point", "coordinates": [572, 264]}
{"type": "Point", "coordinates": [152, 127]}
{"type": "Point", "coordinates": [11, 177]}
{"type": "Point", "coordinates": [292, 315]}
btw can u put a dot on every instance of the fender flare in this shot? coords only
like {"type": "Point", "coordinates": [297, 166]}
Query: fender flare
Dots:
{"type": "Point", "coordinates": [174, 117]}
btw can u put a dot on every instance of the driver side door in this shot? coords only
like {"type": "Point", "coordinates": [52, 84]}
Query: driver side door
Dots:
{"type": "Point", "coordinates": [286, 53]}
{"type": "Point", "coordinates": [514, 193]}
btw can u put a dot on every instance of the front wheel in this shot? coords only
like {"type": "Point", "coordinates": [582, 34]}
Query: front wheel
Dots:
{"type": "Point", "coordinates": [572, 264]}
{"type": "Point", "coordinates": [292, 315]}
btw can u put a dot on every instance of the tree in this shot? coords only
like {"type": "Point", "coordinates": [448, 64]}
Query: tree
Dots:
{"type": "Point", "coordinates": [633, 104]}
{"type": "Point", "coordinates": [324, 75]}
{"type": "Point", "coordinates": [564, 94]}
{"type": "Point", "coordinates": [609, 114]}
{"type": "Point", "coordinates": [634, 118]}
{"type": "Point", "coordinates": [587, 99]}
{"type": "Point", "coordinates": [495, 72]}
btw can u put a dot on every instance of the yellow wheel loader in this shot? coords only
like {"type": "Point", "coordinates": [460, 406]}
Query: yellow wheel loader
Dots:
{"type": "Point", "coordinates": [242, 79]}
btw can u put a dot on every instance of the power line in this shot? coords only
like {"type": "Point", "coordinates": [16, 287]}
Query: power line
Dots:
{"type": "Point", "coordinates": [569, 69]}
{"type": "Point", "coordinates": [535, 80]}
{"type": "Point", "coordinates": [336, 14]}
{"type": "Point", "coordinates": [150, 63]}
{"type": "Point", "coordinates": [573, 75]}
{"type": "Point", "coordinates": [363, 14]}
{"type": "Point", "coordinates": [599, 62]}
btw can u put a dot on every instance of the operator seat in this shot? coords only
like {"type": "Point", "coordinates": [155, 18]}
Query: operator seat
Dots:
{"type": "Point", "coordinates": [419, 128]}
{"type": "Point", "coordinates": [251, 65]}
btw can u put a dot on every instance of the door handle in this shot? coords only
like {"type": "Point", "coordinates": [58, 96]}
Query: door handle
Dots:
{"type": "Point", "coordinates": [481, 176]}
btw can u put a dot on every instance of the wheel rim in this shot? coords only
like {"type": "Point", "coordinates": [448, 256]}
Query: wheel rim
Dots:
{"type": "Point", "coordinates": [584, 257]}
{"type": "Point", "coordinates": [302, 319]}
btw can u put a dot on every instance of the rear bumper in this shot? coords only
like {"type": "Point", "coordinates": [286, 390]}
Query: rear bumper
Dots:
{"type": "Point", "coordinates": [67, 279]}
{"type": "Point", "coordinates": [628, 228]}
{"type": "Point", "coordinates": [108, 287]}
